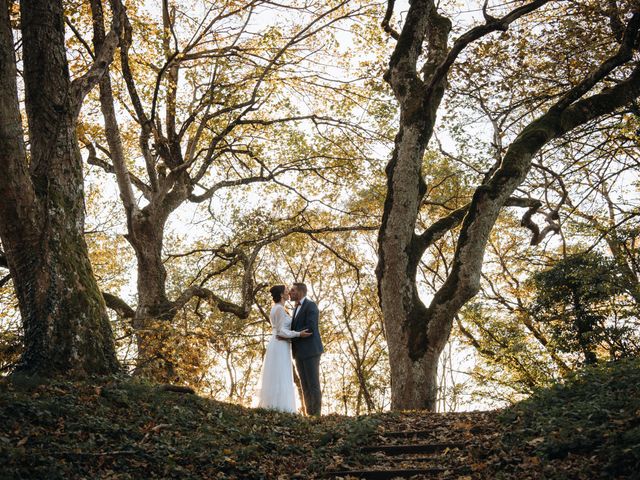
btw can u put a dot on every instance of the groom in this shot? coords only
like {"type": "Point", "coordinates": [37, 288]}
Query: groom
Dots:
{"type": "Point", "coordinates": [307, 351]}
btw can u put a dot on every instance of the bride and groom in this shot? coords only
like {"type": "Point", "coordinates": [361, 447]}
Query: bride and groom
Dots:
{"type": "Point", "coordinates": [297, 334]}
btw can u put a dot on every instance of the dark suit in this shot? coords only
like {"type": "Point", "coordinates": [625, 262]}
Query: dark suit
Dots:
{"type": "Point", "coordinates": [306, 352]}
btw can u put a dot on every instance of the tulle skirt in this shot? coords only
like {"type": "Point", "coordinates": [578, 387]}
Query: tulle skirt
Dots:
{"type": "Point", "coordinates": [276, 390]}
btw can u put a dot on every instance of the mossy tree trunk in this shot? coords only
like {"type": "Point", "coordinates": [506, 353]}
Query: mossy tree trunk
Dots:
{"type": "Point", "coordinates": [416, 334]}
{"type": "Point", "coordinates": [66, 327]}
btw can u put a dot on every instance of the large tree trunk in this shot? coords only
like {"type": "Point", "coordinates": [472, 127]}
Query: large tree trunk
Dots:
{"type": "Point", "coordinates": [66, 327]}
{"type": "Point", "coordinates": [416, 334]}
{"type": "Point", "coordinates": [413, 370]}
{"type": "Point", "coordinates": [153, 304]}
{"type": "Point", "coordinates": [413, 378]}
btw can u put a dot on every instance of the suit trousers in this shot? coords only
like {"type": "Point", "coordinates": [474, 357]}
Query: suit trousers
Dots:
{"type": "Point", "coordinates": [309, 373]}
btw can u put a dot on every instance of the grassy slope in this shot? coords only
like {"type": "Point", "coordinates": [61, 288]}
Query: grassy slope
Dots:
{"type": "Point", "coordinates": [122, 428]}
{"type": "Point", "coordinates": [590, 425]}
{"type": "Point", "coordinates": [94, 429]}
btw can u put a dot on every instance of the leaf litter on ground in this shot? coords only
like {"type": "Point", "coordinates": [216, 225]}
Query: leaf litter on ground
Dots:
{"type": "Point", "coordinates": [586, 428]}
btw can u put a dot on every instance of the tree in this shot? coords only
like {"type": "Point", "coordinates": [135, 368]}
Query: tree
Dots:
{"type": "Point", "coordinates": [202, 99]}
{"type": "Point", "coordinates": [417, 333]}
{"type": "Point", "coordinates": [64, 317]}
{"type": "Point", "coordinates": [581, 190]}
{"type": "Point", "coordinates": [580, 300]}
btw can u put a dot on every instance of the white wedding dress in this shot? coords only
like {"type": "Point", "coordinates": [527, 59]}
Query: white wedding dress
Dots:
{"type": "Point", "coordinates": [275, 387]}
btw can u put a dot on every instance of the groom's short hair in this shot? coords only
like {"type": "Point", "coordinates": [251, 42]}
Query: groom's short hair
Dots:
{"type": "Point", "coordinates": [301, 287]}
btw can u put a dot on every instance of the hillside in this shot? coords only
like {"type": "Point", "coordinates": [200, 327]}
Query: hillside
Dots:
{"type": "Point", "coordinates": [127, 429]}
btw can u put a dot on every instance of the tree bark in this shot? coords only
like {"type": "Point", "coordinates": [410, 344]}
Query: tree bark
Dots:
{"type": "Point", "coordinates": [66, 327]}
{"type": "Point", "coordinates": [153, 303]}
{"type": "Point", "coordinates": [413, 379]}
{"type": "Point", "coordinates": [416, 334]}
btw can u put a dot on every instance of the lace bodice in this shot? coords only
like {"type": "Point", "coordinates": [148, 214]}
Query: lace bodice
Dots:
{"type": "Point", "coordinates": [281, 322]}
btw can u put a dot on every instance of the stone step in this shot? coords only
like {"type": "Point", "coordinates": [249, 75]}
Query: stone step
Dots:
{"type": "Point", "coordinates": [415, 448]}
{"type": "Point", "coordinates": [430, 433]}
{"type": "Point", "coordinates": [433, 459]}
{"type": "Point", "coordinates": [384, 474]}
{"type": "Point", "coordinates": [407, 433]}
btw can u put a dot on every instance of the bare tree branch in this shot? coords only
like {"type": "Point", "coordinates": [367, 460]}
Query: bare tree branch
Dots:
{"type": "Point", "coordinates": [241, 311]}
{"type": "Point", "coordinates": [476, 344]}
{"type": "Point", "coordinates": [209, 192]}
{"type": "Point", "coordinates": [527, 222]}
{"type": "Point", "coordinates": [79, 37]}
{"type": "Point", "coordinates": [118, 305]}
{"type": "Point", "coordinates": [441, 226]}
{"type": "Point", "coordinates": [112, 130]}
{"type": "Point", "coordinates": [492, 25]}
{"type": "Point", "coordinates": [100, 67]}
{"type": "Point", "coordinates": [387, 18]}
{"type": "Point", "coordinates": [93, 159]}
{"type": "Point", "coordinates": [143, 120]}
{"type": "Point", "coordinates": [308, 231]}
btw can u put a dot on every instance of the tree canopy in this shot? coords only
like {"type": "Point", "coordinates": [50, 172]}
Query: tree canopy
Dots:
{"type": "Point", "coordinates": [458, 185]}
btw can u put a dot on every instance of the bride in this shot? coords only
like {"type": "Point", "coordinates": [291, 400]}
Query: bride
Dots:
{"type": "Point", "coordinates": [275, 388]}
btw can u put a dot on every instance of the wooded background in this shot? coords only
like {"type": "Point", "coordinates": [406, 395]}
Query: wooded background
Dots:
{"type": "Point", "coordinates": [457, 183]}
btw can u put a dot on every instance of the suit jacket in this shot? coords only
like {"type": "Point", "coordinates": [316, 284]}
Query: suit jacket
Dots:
{"type": "Point", "coordinates": [306, 319]}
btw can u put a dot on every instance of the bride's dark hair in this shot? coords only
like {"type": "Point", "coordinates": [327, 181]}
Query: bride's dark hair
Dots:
{"type": "Point", "coordinates": [276, 292]}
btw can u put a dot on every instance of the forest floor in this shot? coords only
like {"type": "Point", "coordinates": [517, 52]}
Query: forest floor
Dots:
{"type": "Point", "coordinates": [588, 428]}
